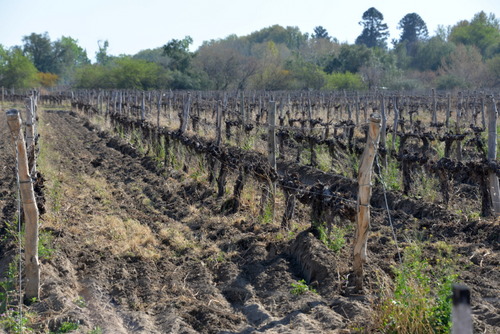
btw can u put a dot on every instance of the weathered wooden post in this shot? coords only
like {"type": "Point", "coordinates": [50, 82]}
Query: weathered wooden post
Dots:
{"type": "Point", "coordinates": [218, 124]}
{"type": "Point", "coordinates": [30, 133]}
{"type": "Point", "coordinates": [364, 195]}
{"type": "Point", "coordinates": [434, 107]}
{"type": "Point", "coordinates": [30, 208]}
{"type": "Point", "coordinates": [185, 114]}
{"type": "Point", "coordinates": [143, 107]}
{"type": "Point", "coordinates": [158, 107]}
{"type": "Point", "coordinates": [492, 154]}
{"type": "Point", "coordinates": [271, 149]}
{"type": "Point", "coordinates": [383, 130]}
{"type": "Point", "coordinates": [461, 313]}
{"type": "Point", "coordinates": [448, 112]}
{"type": "Point", "coordinates": [395, 126]}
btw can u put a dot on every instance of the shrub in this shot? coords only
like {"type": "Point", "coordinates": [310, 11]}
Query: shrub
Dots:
{"type": "Point", "coordinates": [421, 299]}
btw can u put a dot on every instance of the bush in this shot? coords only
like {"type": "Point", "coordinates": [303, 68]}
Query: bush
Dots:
{"type": "Point", "coordinates": [347, 80]}
{"type": "Point", "coordinates": [421, 299]}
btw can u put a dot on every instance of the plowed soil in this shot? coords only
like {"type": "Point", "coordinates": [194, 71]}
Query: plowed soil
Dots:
{"type": "Point", "coordinates": [140, 248]}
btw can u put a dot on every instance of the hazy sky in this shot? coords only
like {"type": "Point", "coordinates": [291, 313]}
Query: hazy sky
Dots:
{"type": "Point", "coordinates": [131, 26]}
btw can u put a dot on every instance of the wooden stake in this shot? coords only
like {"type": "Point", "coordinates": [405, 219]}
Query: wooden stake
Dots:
{"type": "Point", "coordinates": [30, 208]}
{"type": "Point", "coordinates": [218, 136]}
{"type": "Point", "coordinates": [364, 195]}
{"type": "Point", "coordinates": [492, 154]}
{"type": "Point", "coordinates": [185, 114]}
{"type": "Point", "coordinates": [434, 107]}
{"type": "Point", "coordinates": [461, 312]}
{"type": "Point", "coordinates": [271, 140]}
{"type": "Point", "coordinates": [143, 107]}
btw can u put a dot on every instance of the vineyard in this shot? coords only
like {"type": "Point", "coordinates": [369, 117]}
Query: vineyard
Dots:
{"type": "Point", "coordinates": [235, 212]}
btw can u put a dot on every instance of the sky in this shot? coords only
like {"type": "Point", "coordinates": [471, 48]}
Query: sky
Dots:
{"type": "Point", "coordinates": [134, 25]}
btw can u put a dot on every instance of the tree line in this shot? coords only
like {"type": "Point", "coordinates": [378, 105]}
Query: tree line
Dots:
{"type": "Point", "coordinates": [464, 56]}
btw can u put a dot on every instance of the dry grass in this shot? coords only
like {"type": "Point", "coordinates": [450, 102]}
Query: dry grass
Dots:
{"type": "Point", "coordinates": [121, 237]}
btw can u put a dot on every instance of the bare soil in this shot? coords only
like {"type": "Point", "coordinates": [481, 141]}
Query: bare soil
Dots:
{"type": "Point", "coordinates": [139, 248]}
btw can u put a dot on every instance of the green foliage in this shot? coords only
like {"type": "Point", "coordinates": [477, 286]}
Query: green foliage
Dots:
{"type": "Point", "coordinates": [80, 301]}
{"type": "Point", "coordinates": [414, 28]}
{"type": "Point", "coordinates": [7, 286]}
{"type": "Point", "coordinates": [301, 287]}
{"type": "Point", "coordinates": [347, 80]}
{"type": "Point", "coordinates": [483, 32]}
{"type": "Point", "coordinates": [14, 322]}
{"type": "Point", "coordinates": [267, 215]}
{"type": "Point", "coordinates": [16, 70]}
{"type": "Point", "coordinates": [493, 70]}
{"type": "Point", "coordinates": [38, 48]}
{"type": "Point", "coordinates": [391, 176]}
{"type": "Point", "coordinates": [96, 330]}
{"type": "Point", "coordinates": [426, 187]}
{"type": "Point", "coordinates": [45, 240]}
{"type": "Point", "coordinates": [291, 37]}
{"type": "Point", "coordinates": [333, 237]}
{"type": "Point", "coordinates": [349, 59]}
{"type": "Point", "coordinates": [10, 318]}
{"type": "Point", "coordinates": [178, 51]}
{"type": "Point", "coordinates": [66, 327]}
{"type": "Point", "coordinates": [430, 53]}
{"type": "Point", "coordinates": [374, 32]}
{"type": "Point", "coordinates": [320, 32]}
{"type": "Point", "coordinates": [421, 300]}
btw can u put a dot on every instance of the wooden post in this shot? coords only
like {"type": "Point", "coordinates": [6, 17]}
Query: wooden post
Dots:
{"type": "Point", "coordinates": [30, 133]}
{"type": "Point", "coordinates": [364, 195]}
{"type": "Point", "coordinates": [448, 112]}
{"type": "Point", "coordinates": [383, 130]}
{"type": "Point", "coordinates": [218, 122]}
{"type": "Point", "coordinates": [30, 208]}
{"type": "Point", "coordinates": [143, 107]}
{"type": "Point", "coordinates": [158, 107]}
{"type": "Point", "coordinates": [434, 107]}
{"type": "Point", "coordinates": [457, 128]}
{"type": "Point", "coordinates": [492, 154]}
{"type": "Point", "coordinates": [185, 114]}
{"type": "Point", "coordinates": [272, 134]}
{"type": "Point", "coordinates": [395, 127]}
{"type": "Point", "coordinates": [461, 313]}
{"type": "Point", "coordinates": [271, 148]}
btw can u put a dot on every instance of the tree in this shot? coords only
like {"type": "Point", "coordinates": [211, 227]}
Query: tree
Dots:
{"type": "Point", "coordinates": [178, 51]}
{"type": "Point", "coordinates": [463, 69]}
{"type": "Point", "coordinates": [374, 32]}
{"type": "Point", "coordinates": [292, 37]}
{"type": "Point", "coordinates": [38, 49]}
{"type": "Point", "coordinates": [429, 54]}
{"type": "Point", "coordinates": [101, 56]}
{"type": "Point", "coordinates": [225, 65]}
{"type": "Point", "coordinates": [482, 32]}
{"type": "Point", "coordinates": [414, 30]}
{"type": "Point", "coordinates": [16, 70]}
{"type": "Point", "coordinates": [320, 32]}
{"type": "Point", "coordinates": [493, 66]}
{"type": "Point", "coordinates": [350, 59]}
{"type": "Point", "coordinates": [67, 56]}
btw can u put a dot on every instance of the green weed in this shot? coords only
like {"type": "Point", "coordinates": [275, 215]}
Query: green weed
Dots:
{"type": "Point", "coordinates": [421, 299]}
{"type": "Point", "coordinates": [333, 237]}
{"type": "Point", "coordinates": [301, 287]}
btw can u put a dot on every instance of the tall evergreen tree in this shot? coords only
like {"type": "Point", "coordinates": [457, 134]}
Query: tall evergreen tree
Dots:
{"type": "Point", "coordinates": [320, 32]}
{"type": "Point", "coordinates": [374, 32]}
{"type": "Point", "coordinates": [414, 28]}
